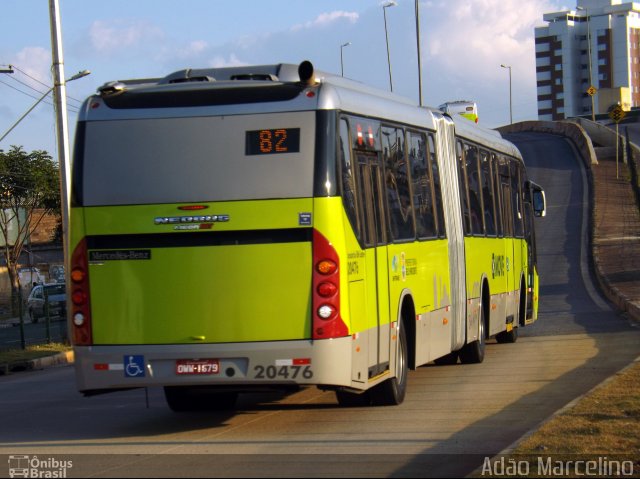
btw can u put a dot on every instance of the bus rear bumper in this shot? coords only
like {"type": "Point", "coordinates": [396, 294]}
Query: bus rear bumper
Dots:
{"type": "Point", "coordinates": [241, 365]}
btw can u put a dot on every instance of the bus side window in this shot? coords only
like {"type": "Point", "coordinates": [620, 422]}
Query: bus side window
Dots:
{"type": "Point", "coordinates": [397, 184]}
{"type": "Point", "coordinates": [475, 197]}
{"type": "Point", "coordinates": [437, 189]}
{"type": "Point", "coordinates": [507, 197]}
{"type": "Point", "coordinates": [464, 192]}
{"type": "Point", "coordinates": [518, 216]}
{"type": "Point", "coordinates": [423, 197]}
{"type": "Point", "coordinates": [498, 194]}
{"type": "Point", "coordinates": [488, 193]}
{"type": "Point", "coordinates": [348, 180]}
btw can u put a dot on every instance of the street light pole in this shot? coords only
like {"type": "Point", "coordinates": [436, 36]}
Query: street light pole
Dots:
{"type": "Point", "coordinates": [341, 62]}
{"type": "Point", "coordinates": [510, 97]}
{"type": "Point", "coordinates": [62, 129]}
{"type": "Point", "coordinates": [392, 3]}
{"type": "Point", "coordinates": [419, 56]}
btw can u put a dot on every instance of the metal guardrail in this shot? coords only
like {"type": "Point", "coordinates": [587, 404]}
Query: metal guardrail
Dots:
{"type": "Point", "coordinates": [15, 334]}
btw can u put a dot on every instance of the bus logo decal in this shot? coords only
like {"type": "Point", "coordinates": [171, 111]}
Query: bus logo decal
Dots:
{"type": "Point", "coordinates": [119, 255]}
{"type": "Point", "coordinates": [170, 220]}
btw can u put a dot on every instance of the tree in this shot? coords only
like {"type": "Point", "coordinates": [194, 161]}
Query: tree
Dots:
{"type": "Point", "coordinates": [29, 190]}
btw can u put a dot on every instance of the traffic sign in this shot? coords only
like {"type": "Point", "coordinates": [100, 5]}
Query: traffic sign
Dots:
{"type": "Point", "coordinates": [617, 114]}
{"type": "Point", "coordinates": [592, 90]}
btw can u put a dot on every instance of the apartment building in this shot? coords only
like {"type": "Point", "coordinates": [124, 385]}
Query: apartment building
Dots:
{"type": "Point", "coordinates": [595, 45]}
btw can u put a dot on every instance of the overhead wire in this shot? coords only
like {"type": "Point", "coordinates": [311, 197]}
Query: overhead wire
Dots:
{"type": "Point", "coordinates": [38, 81]}
{"type": "Point", "coordinates": [72, 108]}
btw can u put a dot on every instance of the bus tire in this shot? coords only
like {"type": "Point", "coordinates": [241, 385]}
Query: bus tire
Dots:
{"type": "Point", "coordinates": [507, 336]}
{"type": "Point", "coordinates": [184, 399]}
{"type": "Point", "coordinates": [473, 353]}
{"type": "Point", "coordinates": [392, 391]}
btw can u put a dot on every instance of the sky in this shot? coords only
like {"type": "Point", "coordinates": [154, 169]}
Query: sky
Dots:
{"type": "Point", "coordinates": [463, 44]}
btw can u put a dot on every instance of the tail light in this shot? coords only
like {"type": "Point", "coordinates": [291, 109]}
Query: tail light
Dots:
{"type": "Point", "coordinates": [327, 322]}
{"type": "Point", "coordinates": [80, 299]}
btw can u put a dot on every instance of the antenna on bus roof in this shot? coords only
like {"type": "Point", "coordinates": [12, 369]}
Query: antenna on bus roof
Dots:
{"type": "Point", "coordinates": [305, 71]}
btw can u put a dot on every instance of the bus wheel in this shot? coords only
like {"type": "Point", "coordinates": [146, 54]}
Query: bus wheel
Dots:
{"type": "Point", "coordinates": [392, 391]}
{"type": "Point", "coordinates": [474, 352]}
{"type": "Point", "coordinates": [507, 336]}
{"type": "Point", "coordinates": [182, 399]}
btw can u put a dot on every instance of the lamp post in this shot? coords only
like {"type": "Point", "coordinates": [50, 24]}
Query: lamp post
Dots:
{"type": "Point", "coordinates": [81, 74]}
{"type": "Point", "coordinates": [586, 14]}
{"type": "Point", "coordinates": [510, 97]}
{"type": "Point", "coordinates": [392, 3]}
{"type": "Point", "coordinates": [419, 56]}
{"type": "Point", "coordinates": [341, 62]}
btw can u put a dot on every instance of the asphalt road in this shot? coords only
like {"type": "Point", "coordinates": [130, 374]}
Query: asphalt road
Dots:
{"type": "Point", "coordinates": [452, 418]}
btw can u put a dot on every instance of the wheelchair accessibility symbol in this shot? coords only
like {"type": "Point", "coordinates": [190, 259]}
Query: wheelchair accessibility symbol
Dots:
{"type": "Point", "coordinates": [134, 366]}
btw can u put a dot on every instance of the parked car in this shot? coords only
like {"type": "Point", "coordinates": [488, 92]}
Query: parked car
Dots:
{"type": "Point", "coordinates": [56, 295]}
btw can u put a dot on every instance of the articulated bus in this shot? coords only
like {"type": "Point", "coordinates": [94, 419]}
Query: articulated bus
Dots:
{"type": "Point", "coordinates": [271, 227]}
{"type": "Point", "coordinates": [465, 108]}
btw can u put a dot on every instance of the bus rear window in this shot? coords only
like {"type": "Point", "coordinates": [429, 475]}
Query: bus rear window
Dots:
{"type": "Point", "coordinates": [171, 160]}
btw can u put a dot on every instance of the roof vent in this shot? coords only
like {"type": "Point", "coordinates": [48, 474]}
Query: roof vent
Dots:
{"type": "Point", "coordinates": [192, 79]}
{"type": "Point", "coordinates": [254, 76]}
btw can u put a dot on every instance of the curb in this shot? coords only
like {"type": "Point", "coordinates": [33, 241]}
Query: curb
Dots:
{"type": "Point", "coordinates": [60, 359]}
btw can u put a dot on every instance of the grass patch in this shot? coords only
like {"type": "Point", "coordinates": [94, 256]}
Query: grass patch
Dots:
{"type": "Point", "coordinates": [607, 421]}
{"type": "Point", "coordinates": [32, 352]}
{"type": "Point", "coordinates": [603, 425]}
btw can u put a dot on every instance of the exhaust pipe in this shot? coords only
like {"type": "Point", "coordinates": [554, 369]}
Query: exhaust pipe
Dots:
{"type": "Point", "coordinates": [306, 73]}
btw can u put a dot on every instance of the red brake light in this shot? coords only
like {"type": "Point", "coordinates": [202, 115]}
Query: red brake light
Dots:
{"type": "Point", "coordinates": [327, 321]}
{"type": "Point", "coordinates": [81, 310]}
{"type": "Point", "coordinates": [78, 297]}
{"type": "Point", "coordinates": [327, 289]}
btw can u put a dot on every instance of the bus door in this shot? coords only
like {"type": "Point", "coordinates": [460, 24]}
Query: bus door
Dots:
{"type": "Point", "coordinates": [530, 245]}
{"type": "Point", "coordinates": [370, 174]}
{"type": "Point", "coordinates": [507, 215]}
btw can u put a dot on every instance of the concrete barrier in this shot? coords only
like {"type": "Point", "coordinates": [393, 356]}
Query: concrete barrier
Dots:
{"type": "Point", "coordinates": [574, 131]}
{"type": "Point", "coordinates": [584, 134]}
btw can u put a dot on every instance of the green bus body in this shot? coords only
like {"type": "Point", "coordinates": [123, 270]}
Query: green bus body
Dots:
{"type": "Point", "coordinates": [267, 230]}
